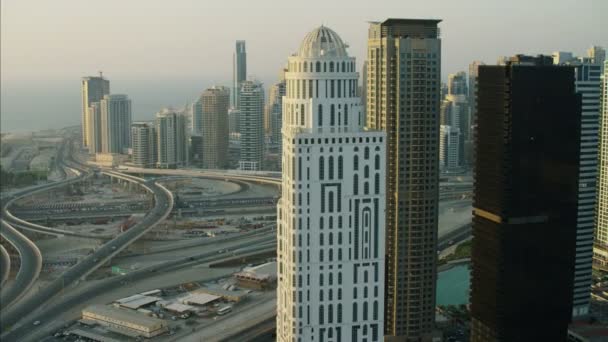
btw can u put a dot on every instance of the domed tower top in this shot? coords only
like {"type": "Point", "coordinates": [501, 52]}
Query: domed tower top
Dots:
{"type": "Point", "coordinates": [322, 42]}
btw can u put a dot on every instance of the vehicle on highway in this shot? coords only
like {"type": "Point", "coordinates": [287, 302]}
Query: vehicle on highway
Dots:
{"type": "Point", "coordinates": [37, 323]}
{"type": "Point", "coordinates": [224, 310]}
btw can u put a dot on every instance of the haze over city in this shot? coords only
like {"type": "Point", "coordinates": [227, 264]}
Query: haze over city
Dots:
{"type": "Point", "coordinates": [164, 54]}
{"type": "Point", "coordinates": [265, 171]}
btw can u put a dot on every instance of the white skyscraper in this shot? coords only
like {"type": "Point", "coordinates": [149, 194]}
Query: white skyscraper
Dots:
{"type": "Point", "coordinates": [143, 143]}
{"type": "Point", "coordinates": [449, 148]}
{"type": "Point", "coordinates": [331, 214]}
{"type": "Point", "coordinates": [93, 89]}
{"type": "Point", "coordinates": [251, 125]}
{"type": "Point", "coordinates": [115, 123]}
{"type": "Point", "coordinates": [600, 252]}
{"type": "Point", "coordinates": [172, 139]}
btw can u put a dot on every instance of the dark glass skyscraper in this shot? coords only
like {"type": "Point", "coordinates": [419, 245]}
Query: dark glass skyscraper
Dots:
{"type": "Point", "coordinates": [239, 71]}
{"type": "Point", "coordinates": [525, 203]}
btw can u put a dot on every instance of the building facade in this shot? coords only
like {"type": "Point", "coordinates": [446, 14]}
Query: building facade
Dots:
{"type": "Point", "coordinates": [525, 201]}
{"type": "Point", "coordinates": [601, 218]}
{"type": "Point", "coordinates": [404, 69]}
{"type": "Point", "coordinates": [143, 144]}
{"type": "Point", "coordinates": [588, 84]}
{"type": "Point", "coordinates": [94, 137]}
{"type": "Point", "coordinates": [171, 139]}
{"type": "Point", "coordinates": [331, 212]}
{"type": "Point", "coordinates": [457, 84]}
{"type": "Point", "coordinates": [239, 71]}
{"type": "Point", "coordinates": [275, 111]}
{"type": "Point", "coordinates": [93, 89]}
{"type": "Point", "coordinates": [597, 54]}
{"type": "Point", "coordinates": [115, 123]}
{"type": "Point", "coordinates": [213, 107]}
{"type": "Point", "coordinates": [450, 148]}
{"type": "Point", "coordinates": [251, 125]}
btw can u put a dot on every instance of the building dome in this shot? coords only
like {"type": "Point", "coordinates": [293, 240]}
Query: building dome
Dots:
{"type": "Point", "coordinates": [322, 42]}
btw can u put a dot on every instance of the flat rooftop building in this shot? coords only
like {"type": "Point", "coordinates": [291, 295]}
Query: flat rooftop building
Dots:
{"type": "Point", "coordinates": [125, 321]}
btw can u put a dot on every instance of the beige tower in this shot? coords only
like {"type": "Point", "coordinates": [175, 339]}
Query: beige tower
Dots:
{"type": "Point", "coordinates": [403, 87]}
{"type": "Point", "coordinates": [214, 103]}
{"type": "Point", "coordinates": [93, 89]}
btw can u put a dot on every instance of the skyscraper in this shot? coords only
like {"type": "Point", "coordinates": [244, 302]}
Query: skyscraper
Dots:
{"type": "Point", "coordinates": [404, 57]}
{"type": "Point", "coordinates": [251, 125]}
{"type": "Point", "coordinates": [94, 137]}
{"type": "Point", "coordinates": [234, 124]}
{"type": "Point", "coordinates": [331, 212]}
{"type": "Point", "coordinates": [213, 107]}
{"type": "Point", "coordinates": [143, 143]}
{"type": "Point", "coordinates": [600, 251]}
{"type": "Point", "coordinates": [275, 110]}
{"type": "Point", "coordinates": [473, 73]}
{"type": "Point", "coordinates": [525, 201]}
{"type": "Point", "coordinates": [172, 139]}
{"type": "Point", "coordinates": [93, 89]}
{"type": "Point", "coordinates": [588, 84]}
{"type": "Point", "coordinates": [450, 148]}
{"type": "Point", "coordinates": [457, 84]}
{"type": "Point", "coordinates": [239, 71]}
{"type": "Point", "coordinates": [115, 123]}
{"type": "Point", "coordinates": [597, 54]}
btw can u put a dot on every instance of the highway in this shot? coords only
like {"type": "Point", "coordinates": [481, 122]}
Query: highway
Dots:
{"type": "Point", "coordinates": [78, 298]}
{"type": "Point", "coordinates": [30, 266]}
{"type": "Point", "coordinates": [5, 266]}
{"type": "Point", "coordinates": [163, 200]}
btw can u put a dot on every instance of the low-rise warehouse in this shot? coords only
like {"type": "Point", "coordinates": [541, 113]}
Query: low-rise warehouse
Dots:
{"type": "Point", "coordinates": [128, 322]}
{"type": "Point", "coordinates": [260, 277]}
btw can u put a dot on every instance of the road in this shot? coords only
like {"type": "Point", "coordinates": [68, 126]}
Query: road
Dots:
{"type": "Point", "coordinates": [30, 266]}
{"type": "Point", "coordinates": [163, 200]}
{"type": "Point", "coordinates": [76, 298]}
{"type": "Point", "coordinates": [5, 265]}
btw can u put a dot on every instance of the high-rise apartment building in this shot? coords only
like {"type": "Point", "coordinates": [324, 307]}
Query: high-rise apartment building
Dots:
{"type": "Point", "coordinates": [331, 212]}
{"type": "Point", "coordinates": [560, 57]}
{"type": "Point", "coordinates": [239, 71]}
{"type": "Point", "coordinates": [212, 111]}
{"type": "Point", "coordinates": [94, 137]}
{"type": "Point", "coordinates": [115, 123]}
{"type": "Point", "coordinates": [275, 110]}
{"type": "Point", "coordinates": [525, 201]}
{"type": "Point", "coordinates": [143, 144]}
{"type": "Point", "coordinates": [171, 139]}
{"type": "Point", "coordinates": [363, 90]}
{"type": "Point", "coordinates": [588, 84]}
{"type": "Point", "coordinates": [472, 99]}
{"type": "Point", "coordinates": [457, 84]}
{"type": "Point", "coordinates": [597, 54]}
{"type": "Point", "coordinates": [600, 251]}
{"type": "Point", "coordinates": [234, 121]}
{"type": "Point", "coordinates": [251, 125]}
{"type": "Point", "coordinates": [93, 89]}
{"type": "Point", "coordinates": [404, 69]}
{"type": "Point", "coordinates": [450, 148]}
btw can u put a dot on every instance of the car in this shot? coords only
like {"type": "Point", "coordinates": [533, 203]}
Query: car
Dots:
{"type": "Point", "coordinates": [36, 322]}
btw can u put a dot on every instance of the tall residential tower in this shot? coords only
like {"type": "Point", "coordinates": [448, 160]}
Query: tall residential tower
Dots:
{"type": "Point", "coordinates": [239, 71]}
{"type": "Point", "coordinates": [331, 212]}
{"type": "Point", "coordinates": [115, 123]}
{"type": "Point", "coordinates": [213, 108]}
{"type": "Point", "coordinates": [525, 201]}
{"type": "Point", "coordinates": [93, 89]}
{"type": "Point", "coordinates": [404, 69]}
{"type": "Point", "coordinates": [601, 219]}
{"type": "Point", "coordinates": [251, 125]}
{"type": "Point", "coordinates": [171, 139]}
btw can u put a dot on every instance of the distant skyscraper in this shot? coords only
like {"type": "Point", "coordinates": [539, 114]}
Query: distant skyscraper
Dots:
{"type": "Point", "coordinates": [560, 57]}
{"type": "Point", "coordinates": [251, 125]}
{"type": "Point", "coordinates": [597, 54]}
{"type": "Point", "coordinates": [94, 136]}
{"type": "Point", "coordinates": [473, 73]}
{"type": "Point", "coordinates": [196, 150]}
{"type": "Point", "coordinates": [600, 253]}
{"type": "Point", "coordinates": [404, 57]}
{"type": "Point", "coordinates": [275, 110]}
{"type": "Point", "coordinates": [457, 84]}
{"type": "Point", "coordinates": [525, 202]}
{"type": "Point", "coordinates": [363, 91]}
{"type": "Point", "coordinates": [115, 123]}
{"type": "Point", "coordinates": [239, 71]}
{"type": "Point", "coordinates": [94, 88]}
{"type": "Point", "coordinates": [450, 149]}
{"type": "Point", "coordinates": [172, 139]}
{"type": "Point", "coordinates": [143, 143]}
{"type": "Point", "coordinates": [331, 213]}
{"type": "Point", "coordinates": [588, 84]}
{"type": "Point", "coordinates": [213, 107]}
{"type": "Point", "coordinates": [234, 119]}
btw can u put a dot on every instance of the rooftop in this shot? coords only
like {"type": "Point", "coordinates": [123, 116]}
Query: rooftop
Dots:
{"type": "Point", "coordinates": [123, 315]}
{"type": "Point", "coordinates": [322, 42]}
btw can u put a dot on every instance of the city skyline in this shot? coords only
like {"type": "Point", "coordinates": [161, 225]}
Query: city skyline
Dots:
{"type": "Point", "coordinates": [216, 69]}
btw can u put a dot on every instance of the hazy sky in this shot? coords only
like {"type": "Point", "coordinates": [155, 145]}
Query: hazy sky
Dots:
{"type": "Point", "coordinates": [140, 40]}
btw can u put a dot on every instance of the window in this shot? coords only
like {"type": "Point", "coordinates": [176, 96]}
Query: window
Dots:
{"type": "Point", "coordinates": [331, 202]}
{"type": "Point", "coordinates": [377, 184]}
{"type": "Point", "coordinates": [340, 167]}
{"type": "Point", "coordinates": [356, 162]}
{"type": "Point", "coordinates": [366, 171]}
{"type": "Point", "coordinates": [377, 161]}
{"type": "Point", "coordinates": [375, 310]}
{"type": "Point", "coordinates": [331, 88]}
{"type": "Point", "coordinates": [318, 66]}
{"type": "Point", "coordinates": [356, 184]}
{"type": "Point", "coordinates": [364, 311]}
{"type": "Point", "coordinates": [331, 67]}
{"type": "Point", "coordinates": [366, 153]}
{"type": "Point", "coordinates": [330, 313]}
{"type": "Point", "coordinates": [339, 318]}
{"type": "Point", "coordinates": [345, 115]}
{"type": "Point", "coordinates": [321, 168]}
{"type": "Point", "coordinates": [320, 115]}
{"type": "Point", "coordinates": [339, 88]}
{"type": "Point", "coordinates": [354, 311]}
{"type": "Point", "coordinates": [331, 167]}
{"type": "Point", "coordinates": [332, 115]}
{"type": "Point", "coordinates": [321, 314]}
{"type": "Point", "coordinates": [302, 114]}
